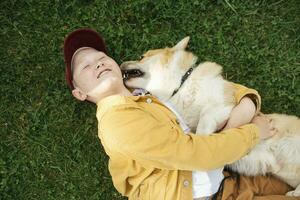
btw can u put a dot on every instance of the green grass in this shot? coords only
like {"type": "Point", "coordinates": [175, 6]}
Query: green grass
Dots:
{"type": "Point", "coordinates": [49, 145]}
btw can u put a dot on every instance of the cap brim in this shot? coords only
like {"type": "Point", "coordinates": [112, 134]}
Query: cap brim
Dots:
{"type": "Point", "coordinates": [77, 39]}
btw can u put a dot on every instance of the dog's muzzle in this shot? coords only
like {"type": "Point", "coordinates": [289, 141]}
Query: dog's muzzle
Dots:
{"type": "Point", "coordinates": [131, 73]}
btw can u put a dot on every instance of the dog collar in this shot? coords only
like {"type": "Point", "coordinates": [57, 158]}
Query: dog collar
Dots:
{"type": "Point", "coordinates": [183, 79]}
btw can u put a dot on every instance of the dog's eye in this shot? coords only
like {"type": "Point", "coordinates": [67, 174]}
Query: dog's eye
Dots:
{"type": "Point", "coordinates": [141, 57]}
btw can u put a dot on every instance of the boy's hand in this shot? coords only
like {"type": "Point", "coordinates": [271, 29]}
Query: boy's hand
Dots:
{"type": "Point", "coordinates": [266, 130]}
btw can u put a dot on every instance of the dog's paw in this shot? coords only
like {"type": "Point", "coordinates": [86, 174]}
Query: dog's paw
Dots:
{"type": "Point", "coordinates": [272, 125]}
{"type": "Point", "coordinates": [293, 193]}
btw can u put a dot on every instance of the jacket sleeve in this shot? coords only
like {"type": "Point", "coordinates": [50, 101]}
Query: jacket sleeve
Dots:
{"type": "Point", "coordinates": [134, 133]}
{"type": "Point", "coordinates": [242, 91]}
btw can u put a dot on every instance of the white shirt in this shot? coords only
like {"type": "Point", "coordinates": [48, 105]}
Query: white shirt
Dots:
{"type": "Point", "coordinates": [205, 183]}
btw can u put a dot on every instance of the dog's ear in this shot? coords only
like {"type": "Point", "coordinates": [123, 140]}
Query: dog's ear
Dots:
{"type": "Point", "coordinates": [182, 44]}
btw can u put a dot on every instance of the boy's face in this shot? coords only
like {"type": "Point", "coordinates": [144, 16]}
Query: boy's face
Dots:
{"type": "Point", "coordinates": [94, 74]}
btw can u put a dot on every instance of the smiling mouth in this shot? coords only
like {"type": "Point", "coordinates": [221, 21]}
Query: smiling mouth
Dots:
{"type": "Point", "coordinates": [131, 73]}
{"type": "Point", "coordinates": [106, 70]}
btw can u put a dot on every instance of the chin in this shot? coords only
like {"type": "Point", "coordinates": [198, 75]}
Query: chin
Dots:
{"type": "Point", "coordinates": [107, 86]}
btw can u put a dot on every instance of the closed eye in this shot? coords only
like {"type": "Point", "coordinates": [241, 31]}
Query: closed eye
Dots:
{"type": "Point", "coordinates": [86, 66]}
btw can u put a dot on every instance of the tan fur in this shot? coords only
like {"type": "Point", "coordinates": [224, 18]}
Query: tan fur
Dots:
{"type": "Point", "coordinates": [210, 68]}
{"type": "Point", "coordinates": [285, 124]}
{"type": "Point", "coordinates": [186, 63]}
{"type": "Point", "coordinates": [165, 54]}
{"type": "Point", "coordinates": [229, 91]}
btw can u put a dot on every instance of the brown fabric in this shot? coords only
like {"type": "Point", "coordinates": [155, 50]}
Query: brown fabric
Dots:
{"type": "Point", "coordinates": [255, 188]}
{"type": "Point", "coordinates": [203, 198]}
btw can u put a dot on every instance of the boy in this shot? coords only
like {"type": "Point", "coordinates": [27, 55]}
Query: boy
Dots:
{"type": "Point", "coordinates": [150, 157]}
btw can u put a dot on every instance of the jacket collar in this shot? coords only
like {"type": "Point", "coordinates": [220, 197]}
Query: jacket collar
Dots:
{"type": "Point", "coordinates": [107, 103]}
{"type": "Point", "coordinates": [114, 100]}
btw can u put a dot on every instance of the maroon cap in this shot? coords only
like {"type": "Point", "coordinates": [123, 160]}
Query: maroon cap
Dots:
{"type": "Point", "coordinates": [77, 39]}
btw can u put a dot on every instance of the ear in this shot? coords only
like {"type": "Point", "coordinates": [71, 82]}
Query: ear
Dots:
{"type": "Point", "coordinates": [182, 44]}
{"type": "Point", "coordinates": [78, 94]}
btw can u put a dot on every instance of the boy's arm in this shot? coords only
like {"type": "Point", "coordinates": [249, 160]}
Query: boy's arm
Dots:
{"type": "Point", "coordinates": [242, 91]}
{"type": "Point", "coordinates": [242, 113]}
{"type": "Point", "coordinates": [248, 106]}
{"type": "Point", "coordinates": [136, 134]}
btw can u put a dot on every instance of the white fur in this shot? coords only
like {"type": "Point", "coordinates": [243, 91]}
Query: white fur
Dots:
{"type": "Point", "coordinates": [202, 102]}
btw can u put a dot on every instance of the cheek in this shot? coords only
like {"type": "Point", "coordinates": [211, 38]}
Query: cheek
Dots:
{"type": "Point", "coordinates": [112, 62]}
{"type": "Point", "coordinates": [116, 69]}
{"type": "Point", "coordinates": [86, 81]}
{"type": "Point", "coordinates": [109, 84]}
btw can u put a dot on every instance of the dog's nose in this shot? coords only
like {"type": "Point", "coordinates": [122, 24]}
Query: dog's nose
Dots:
{"type": "Point", "coordinates": [123, 65]}
{"type": "Point", "coordinates": [126, 64]}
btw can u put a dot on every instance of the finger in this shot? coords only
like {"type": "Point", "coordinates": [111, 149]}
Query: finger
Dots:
{"type": "Point", "coordinates": [259, 114]}
{"type": "Point", "coordinates": [273, 132]}
{"type": "Point", "coordinates": [270, 120]}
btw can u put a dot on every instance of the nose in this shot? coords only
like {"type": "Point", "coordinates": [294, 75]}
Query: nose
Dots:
{"type": "Point", "coordinates": [99, 65]}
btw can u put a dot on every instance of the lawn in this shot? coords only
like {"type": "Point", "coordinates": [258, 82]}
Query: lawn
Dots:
{"type": "Point", "coordinates": [49, 146]}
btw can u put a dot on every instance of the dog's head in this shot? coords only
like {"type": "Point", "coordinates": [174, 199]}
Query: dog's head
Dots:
{"type": "Point", "coordinates": [159, 71]}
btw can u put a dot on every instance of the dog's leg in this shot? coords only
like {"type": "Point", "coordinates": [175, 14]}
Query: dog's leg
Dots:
{"type": "Point", "coordinates": [206, 125]}
{"type": "Point", "coordinates": [211, 117]}
{"type": "Point", "coordinates": [294, 193]}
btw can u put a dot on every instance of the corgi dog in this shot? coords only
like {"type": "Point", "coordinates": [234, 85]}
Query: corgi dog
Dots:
{"type": "Point", "coordinates": [199, 91]}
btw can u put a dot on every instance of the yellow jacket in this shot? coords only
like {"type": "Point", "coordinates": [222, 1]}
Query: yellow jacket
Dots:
{"type": "Point", "coordinates": [150, 158]}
